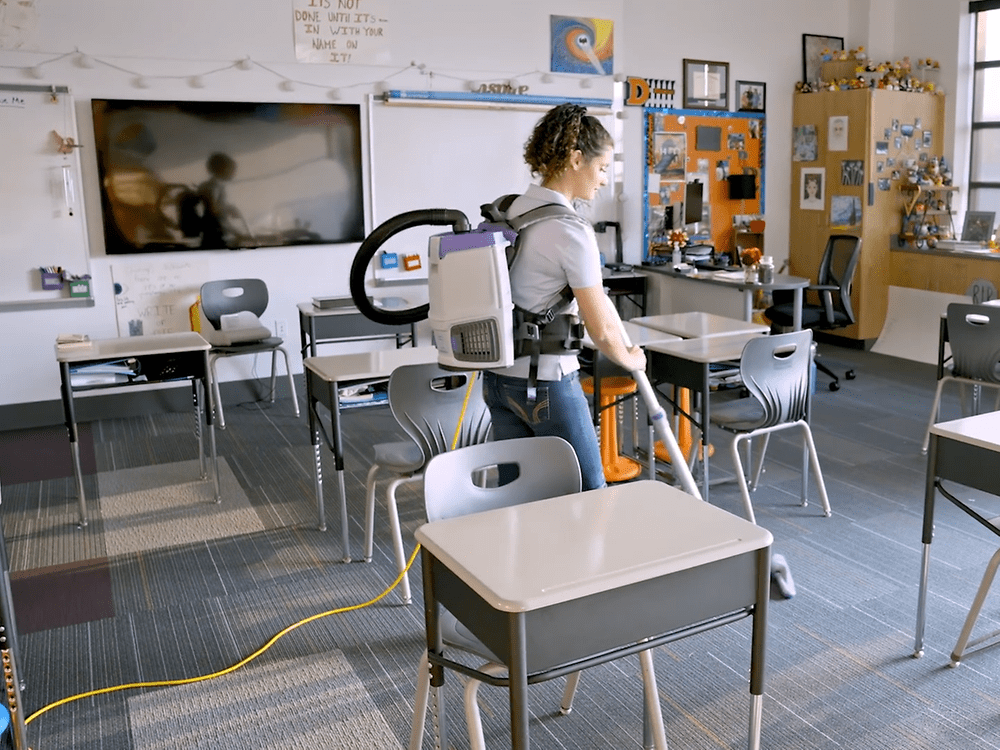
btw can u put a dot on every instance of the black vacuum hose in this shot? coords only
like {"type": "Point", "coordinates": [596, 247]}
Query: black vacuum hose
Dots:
{"type": "Point", "coordinates": [359, 268]}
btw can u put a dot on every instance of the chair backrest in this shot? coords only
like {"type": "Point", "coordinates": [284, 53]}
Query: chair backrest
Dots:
{"type": "Point", "coordinates": [836, 268]}
{"type": "Point", "coordinates": [230, 296]}
{"type": "Point", "coordinates": [427, 402]}
{"type": "Point", "coordinates": [974, 334]}
{"type": "Point", "coordinates": [547, 467]}
{"type": "Point", "coordinates": [776, 371]}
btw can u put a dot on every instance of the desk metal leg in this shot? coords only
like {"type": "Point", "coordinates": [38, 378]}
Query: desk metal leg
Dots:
{"type": "Point", "coordinates": [758, 647]}
{"type": "Point", "coordinates": [196, 397]}
{"type": "Point", "coordinates": [705, 414]}
{"type": "Point", "coordinates": [314, 425]}
{"type": "Point", "coordinates": [74, 439]}
{"type": "Point", "coordinates": [518, 679]}
{"type": "Point", "coordinates": [797, 309]}
{"type": "Point", "coordinates": [338, 464]}
{"type": "Point", "coordinates": [930, 490]}
{"type": "Point", "coordinates": [435, 645]}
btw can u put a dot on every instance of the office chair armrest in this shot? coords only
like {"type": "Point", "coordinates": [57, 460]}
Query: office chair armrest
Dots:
{"type": "Point", "coordinates": [826, 299]}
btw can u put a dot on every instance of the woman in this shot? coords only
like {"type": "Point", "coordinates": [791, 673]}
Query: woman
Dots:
{"type": "Point", "coordinates": [571, 152]}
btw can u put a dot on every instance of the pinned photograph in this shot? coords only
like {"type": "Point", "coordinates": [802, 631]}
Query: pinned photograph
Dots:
{"type": "Point", "coordinates": [671, 155]}
{"type": "Point", "coordinates": [852, 172]}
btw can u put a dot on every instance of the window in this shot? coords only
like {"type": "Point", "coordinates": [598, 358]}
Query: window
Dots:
{"type": "Point", "coordinates": [984, 169]}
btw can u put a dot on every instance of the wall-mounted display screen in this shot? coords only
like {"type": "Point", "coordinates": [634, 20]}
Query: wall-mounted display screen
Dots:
{"type": "Point", "coordinates": [227, 175]}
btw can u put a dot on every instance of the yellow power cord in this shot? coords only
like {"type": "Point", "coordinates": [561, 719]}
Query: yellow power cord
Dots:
{"type": "Point", "coordinates": [274, 639]}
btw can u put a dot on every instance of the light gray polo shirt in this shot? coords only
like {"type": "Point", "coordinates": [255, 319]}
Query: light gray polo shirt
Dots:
{"type": "Point", "coordinates": [552, 254]}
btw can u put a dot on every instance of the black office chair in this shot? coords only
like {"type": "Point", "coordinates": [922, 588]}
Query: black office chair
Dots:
{"type": "Point", "coordinates": [833, 285]}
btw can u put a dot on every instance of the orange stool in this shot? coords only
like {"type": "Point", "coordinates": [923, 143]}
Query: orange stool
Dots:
{"type": "Point", "coordinates": [617, 468]}
{"type": "Point", "coordinates": [684, 436]}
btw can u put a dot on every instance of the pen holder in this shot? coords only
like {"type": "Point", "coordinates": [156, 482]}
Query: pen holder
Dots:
{"type": "Point", "coordinates": [79, 288]}
{"type": "Point", "coordinates": [51, 280]}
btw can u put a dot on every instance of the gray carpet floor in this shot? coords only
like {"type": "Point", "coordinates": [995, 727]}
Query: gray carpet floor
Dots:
{"type": "Point", "coordinates": [840, 673]}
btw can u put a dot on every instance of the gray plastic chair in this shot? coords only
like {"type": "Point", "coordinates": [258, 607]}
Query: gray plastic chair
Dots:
{"type": "Point", "coordinates": [974, 335]}
{"type": "Point", "coordinates": [776, 371]}
{"type": "Point", "coordinates": [427, 402]}
{"type": "Point", "coordinates": [231, 297]}
{"type": "Point", "coordinates": [546, 467]}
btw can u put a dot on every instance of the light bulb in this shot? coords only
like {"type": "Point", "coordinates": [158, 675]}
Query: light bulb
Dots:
{"type": "Point", "coordinates": [333, 93]}
{"type": "Point", "coordinates": [547, 78]}
{"type": "Point", "coordinates": [586, 83]}
{"type": "Point", "coordinates": [196, 82]}
{"type": "Point", "coordinates": [140, 82]}
{"type": "Point", "coordinates": [245, 64]}
{"type": "Point", "coordinates": [34, 72]}
{"type": "Point", "coordinates": [287, 85]}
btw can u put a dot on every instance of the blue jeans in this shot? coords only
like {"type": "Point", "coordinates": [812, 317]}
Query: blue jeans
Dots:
{"type": "Point", "coordinates": [560, 409]}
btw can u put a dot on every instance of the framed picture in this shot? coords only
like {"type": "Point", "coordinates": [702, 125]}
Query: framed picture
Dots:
{"type": "Point", "coordinates": [750, 96]}
{"type": "Point", "coordinates": [706, 84]}
{"type": "Point", "coordinates": [812, 53]}
{"type": "Point", "coordinates": [978, 226]}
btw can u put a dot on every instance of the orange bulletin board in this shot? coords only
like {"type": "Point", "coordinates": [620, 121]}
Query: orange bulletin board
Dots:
{"type": "Point", "coordinates": [683, 146]}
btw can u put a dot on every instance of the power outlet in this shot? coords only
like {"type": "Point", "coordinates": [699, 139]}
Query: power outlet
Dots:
{"type": "Point", "coordinates": [280, 329]}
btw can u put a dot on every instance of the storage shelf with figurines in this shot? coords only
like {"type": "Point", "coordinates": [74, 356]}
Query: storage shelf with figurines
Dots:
{"type": "Point", "coordinates": [927, 209]}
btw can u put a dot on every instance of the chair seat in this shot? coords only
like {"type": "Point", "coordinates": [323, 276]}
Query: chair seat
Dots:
{"type": "Point", "coordinates": [403, 456]}
{"type": "Point", "coordinates": [813, 316]}
{"type": "Point", "coordinates": [742, 415]}
{"type": "Point", "coordinates": [242, 347]}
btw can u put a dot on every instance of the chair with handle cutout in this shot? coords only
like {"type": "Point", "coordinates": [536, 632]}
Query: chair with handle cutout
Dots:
{"type": "Point", "coordinates": [230, 310]}
{"type": "Point", "coordinates": [428, 402]}
{"type": "Point", "coordinates": [775, 370]}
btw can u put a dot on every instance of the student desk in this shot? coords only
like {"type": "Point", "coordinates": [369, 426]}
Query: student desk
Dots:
{"type": "Point", "coordinates": [327, 325]}
{"type": "Point", "coordinates": [325, 376]}
{"type": "Point", "coordinates": [708, 340]}
{"type": "Point", "coordinates": [591, 577]}
{"type": "Point", "coordinates": [155, 359]}
{"type": "Point", "coordinates": [967, 452]}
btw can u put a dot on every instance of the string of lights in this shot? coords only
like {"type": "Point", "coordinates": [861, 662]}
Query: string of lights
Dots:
{"type": "Point", "coordinates": [39, 69]}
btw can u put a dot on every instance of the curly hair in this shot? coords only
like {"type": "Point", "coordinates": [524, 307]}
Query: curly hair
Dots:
{"type": "Point", "coordinates": [563, 130]}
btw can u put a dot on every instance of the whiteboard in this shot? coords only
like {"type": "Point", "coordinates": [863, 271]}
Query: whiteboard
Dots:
{"type": "Point", "coordinates": [453, 155]}
{"type": "Point", "coordinates": [41, 197]}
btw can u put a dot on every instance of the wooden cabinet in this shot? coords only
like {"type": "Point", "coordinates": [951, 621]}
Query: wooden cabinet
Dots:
{"type": "Point", "coordinates": [859, 143]}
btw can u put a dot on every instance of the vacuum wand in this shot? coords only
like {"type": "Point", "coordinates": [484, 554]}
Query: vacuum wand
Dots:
{"type": "Point", "coordinates": [658, 417]}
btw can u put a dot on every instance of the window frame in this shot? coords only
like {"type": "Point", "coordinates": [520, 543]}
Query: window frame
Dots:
{"type": "Point", "coordinates": [976, 126]}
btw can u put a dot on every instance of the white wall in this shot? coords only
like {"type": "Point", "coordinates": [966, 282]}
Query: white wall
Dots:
{"type": "Point", "coordinates": [455, 41]}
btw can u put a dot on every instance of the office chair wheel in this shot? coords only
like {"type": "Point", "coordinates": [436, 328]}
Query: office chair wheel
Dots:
{"type": "Point", "coordinates": [850, 375]}
{"type": "Point", "coordinates": [834, 386]}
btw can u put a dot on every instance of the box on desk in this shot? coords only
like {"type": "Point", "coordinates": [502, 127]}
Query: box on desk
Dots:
{"type": "Point", "coordinates": [52, 280]}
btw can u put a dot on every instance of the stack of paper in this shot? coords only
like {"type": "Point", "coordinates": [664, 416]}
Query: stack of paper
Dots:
{"type": "Point", "coordinates": [67, 341]}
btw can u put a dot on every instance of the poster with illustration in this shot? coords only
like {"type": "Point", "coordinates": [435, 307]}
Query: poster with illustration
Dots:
{"type": "Point", "coordinates": [582, 45]}
{"type": "Point", "coordinates": [812, 184]}
{"type": "Point", "coordinates": [836, 137]}
{"type": "Point", "coordinates": [845, 211]}
{"type": "Point", "coordinates": [805, 146]}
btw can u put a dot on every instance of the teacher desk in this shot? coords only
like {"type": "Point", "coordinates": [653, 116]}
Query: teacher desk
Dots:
{"type": "Point", "coordinates": [150, 359]}
{"type": "Point", "coordinates": [711, 291]}
{"type": "Point", "coordinates": [592, 577]}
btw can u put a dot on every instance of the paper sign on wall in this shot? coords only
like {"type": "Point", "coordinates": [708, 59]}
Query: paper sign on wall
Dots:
{"type": "Point", "coordinates": [341, 31]}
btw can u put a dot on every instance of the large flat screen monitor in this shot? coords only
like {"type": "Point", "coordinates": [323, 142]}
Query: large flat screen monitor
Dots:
{"type": "Point", "coordinates": [227, 175]}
